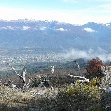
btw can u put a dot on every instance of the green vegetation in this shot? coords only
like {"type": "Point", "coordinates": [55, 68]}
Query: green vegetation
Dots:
{"type": "Point", "coordinates": [75, 97]}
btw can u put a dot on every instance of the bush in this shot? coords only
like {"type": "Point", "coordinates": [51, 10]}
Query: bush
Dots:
{"type": "Point", "coordinates": [78, 97]}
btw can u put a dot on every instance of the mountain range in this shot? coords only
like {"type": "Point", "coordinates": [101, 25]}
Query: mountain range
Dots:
{"type": "Point", "coordinates": [53, 35]}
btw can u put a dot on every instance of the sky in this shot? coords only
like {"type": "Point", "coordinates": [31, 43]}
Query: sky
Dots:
{"type": "Point", "coordinates": [69, 11]}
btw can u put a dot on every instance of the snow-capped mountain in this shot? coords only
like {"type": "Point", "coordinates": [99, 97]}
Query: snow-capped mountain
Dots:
{"type": "Point", "coordinates": [54, 35]}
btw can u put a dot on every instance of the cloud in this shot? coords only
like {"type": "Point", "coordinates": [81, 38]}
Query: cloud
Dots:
{"type": "Point", "coordinates": [80, 16]}
{"type": "Point", "coordinates": [88, 2]}
{"type": "Point", "coordinates": [86, 54]}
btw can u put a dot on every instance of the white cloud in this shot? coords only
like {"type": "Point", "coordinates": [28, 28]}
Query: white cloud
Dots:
{"type": "Point", "coordinates": [72, 16]}
{"type": "Point", "coordinates": [76, 54]}
{"type": "Point", "coordinates": [105, 6]}
{"type": "Point", "coordinates": [89, 30]}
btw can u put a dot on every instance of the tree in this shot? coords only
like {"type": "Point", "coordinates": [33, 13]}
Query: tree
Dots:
{"type": "Point", "coordinates": [94, 68]}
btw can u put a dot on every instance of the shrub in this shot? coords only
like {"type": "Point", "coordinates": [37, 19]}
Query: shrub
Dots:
{"type": "Point", "coordinates": [95, 81]}
{"type": "Point", "coordinates": [78, 97]}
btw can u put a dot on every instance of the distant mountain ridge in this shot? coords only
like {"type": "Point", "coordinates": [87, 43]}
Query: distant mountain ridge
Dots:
{"type": "Point", "coordinates": [54, 35]}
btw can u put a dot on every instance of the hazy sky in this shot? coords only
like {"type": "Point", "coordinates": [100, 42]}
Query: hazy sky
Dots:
{"type": "Point", "coordinates": [70, 11]}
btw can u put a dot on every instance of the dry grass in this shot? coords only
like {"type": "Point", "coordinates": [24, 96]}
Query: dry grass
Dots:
{"type": "Point", "coordinates": [19, 98]}
{"type": "Point", "coordinates": [47, 99]}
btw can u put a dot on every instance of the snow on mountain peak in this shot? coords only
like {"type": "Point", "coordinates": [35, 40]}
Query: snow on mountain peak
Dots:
{"type": "Point", "coordinates": [26, 27]}
{"type": "Point", "coordinates": [87, 29]}
{"type": "Point", "coordinates": [43, 28]}
{"type": "Point", "coordinates": [107, 24]}
{"type": "Point", "coordinates": [61, 29]}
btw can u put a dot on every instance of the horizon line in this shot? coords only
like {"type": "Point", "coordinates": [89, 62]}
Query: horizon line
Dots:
{"type": "Point", "coordinates": [26, 19]}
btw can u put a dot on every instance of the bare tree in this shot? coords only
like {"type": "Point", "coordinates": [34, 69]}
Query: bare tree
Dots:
{"type": "Point", "coordinates": [52, 69]}
{"type": "Point", "coordinates": [22, 78]}
{"type": "Point", "coordinates": [77, 64]}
